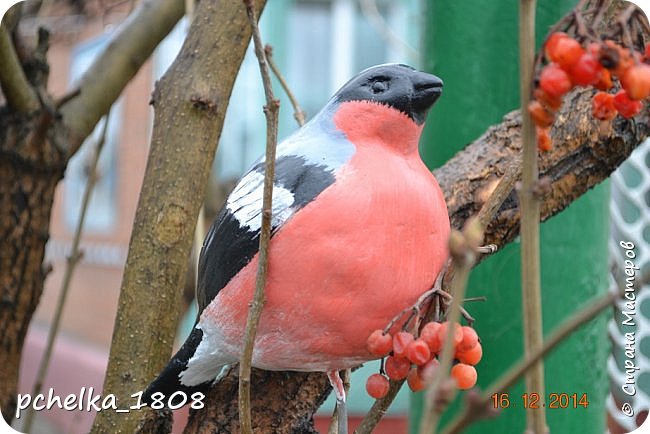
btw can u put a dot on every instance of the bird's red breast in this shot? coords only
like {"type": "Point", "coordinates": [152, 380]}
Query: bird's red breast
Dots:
{"type": "Point", "coordinates": [366, 248]}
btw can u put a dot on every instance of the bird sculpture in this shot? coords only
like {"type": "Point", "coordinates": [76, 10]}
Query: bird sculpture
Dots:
{"type": "Point", "coordinates": [359, 232]}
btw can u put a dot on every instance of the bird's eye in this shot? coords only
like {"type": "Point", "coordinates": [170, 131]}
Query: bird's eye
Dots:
{"type": "Point", "coordinates": [379, 86]}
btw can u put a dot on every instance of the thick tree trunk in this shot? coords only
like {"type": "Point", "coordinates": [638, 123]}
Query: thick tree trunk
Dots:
{"type": "Point", "coordinates": [586, 152]}
{"type": "Point", "coordinates": [30, 168]}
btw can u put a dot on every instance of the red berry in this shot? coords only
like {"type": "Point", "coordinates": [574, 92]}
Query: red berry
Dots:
{"type": "Point", "coordinates": [554, 81]}
{"type": "Point", "coordinates": [550, 47]}
{"type": "Point", "coordinates": [605, 80]}
{"type": "Point", "coordinates": [544, 142]}
{"type": "Point", "coordinates": [379, 344]}
{"type": "Point", "coordinates": [636, 81]}
{"type": "Point", "coordinates": [429, 334]}
{"type": "Point", "coordinates": [541, 116]}
{"type": "Point", "coordinates": [646, 53]}
{"type": "Point", "coordinates": [602, 106]}
{"type": "Point", "coordinates": [470, 339]}
{"type": "Point", "coordinates": [400, 341]}
{"type": "Point", "coordinates": [566, 52]}
{"type": "Point", "coordinates": [397, 368]}
{"type": "Point", "coordinates": [415, 382]}
{"type": "Point", "coordinates": [471, 356]}
{"type": "Point", "coordinates": [465, 375]}
{"type": "Point", "coordinates": [457, 333]}
{"type": "Point", "coordinates": [418, 352]}
{"type": "Point", "coordinates": [625, 61]}
{"type": "Point", "coordinates": [626, 107]}
{"type": "Point", "coordinates": [594, 49]}
{"type": "Point", "coordinates": [586, 70]}
{"type": "Point", "coordinates": [428, 370]}
{"type": "Point", "coordinates": [552, 103]}
{"type": "Point", "coordinates": [377, 386]}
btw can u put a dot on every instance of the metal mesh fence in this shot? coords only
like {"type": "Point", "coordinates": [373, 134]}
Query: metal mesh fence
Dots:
{"type": "Point", "coordinates": [629, 363]}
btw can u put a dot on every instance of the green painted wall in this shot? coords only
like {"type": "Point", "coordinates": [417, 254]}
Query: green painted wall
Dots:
{"type": "Point", "coordinates": [472, 45]}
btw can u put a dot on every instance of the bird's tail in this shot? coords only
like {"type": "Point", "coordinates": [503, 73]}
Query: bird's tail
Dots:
{"type": "Point", "coordinates": [167, 390]}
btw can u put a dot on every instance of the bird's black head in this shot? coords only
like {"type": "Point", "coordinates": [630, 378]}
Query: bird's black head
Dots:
{"type": "Point", "coordinates": [399, 86]}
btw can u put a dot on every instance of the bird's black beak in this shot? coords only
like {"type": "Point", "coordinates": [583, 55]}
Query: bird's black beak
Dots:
{"type": "Point", "coordinates": [427, 88]}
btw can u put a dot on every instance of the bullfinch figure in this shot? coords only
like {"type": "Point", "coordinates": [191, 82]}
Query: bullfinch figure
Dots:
{"type": "Point", "coordinates": [359, 232]}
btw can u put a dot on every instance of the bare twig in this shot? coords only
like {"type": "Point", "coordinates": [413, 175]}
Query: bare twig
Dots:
{"type": "Point", "coordinates": [149, 23]}
{"type": "Point", "coordinates": [371, 12]}
{"type": "Point", "coordinates": [298, 113]}
{"type": "Point", "coordinates": [271, 111]}
{"type": "Point", "coordinates": [18, 92]}
{"type": "Point", "coordinates": [508, 379]}
{"type": "Point", "coordinates": [500, 194]}
{"type": "Point", "coordinates": [72, 261]}
{"type": "Point", "coordinates": [530, 213]}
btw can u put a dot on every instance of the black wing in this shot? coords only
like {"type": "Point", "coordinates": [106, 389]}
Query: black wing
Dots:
{"type": "Point", "coordinates": [233, 239]}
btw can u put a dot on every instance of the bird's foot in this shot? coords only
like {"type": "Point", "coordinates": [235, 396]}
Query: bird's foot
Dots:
{"type": "Point", "coordinates": [341, 408]}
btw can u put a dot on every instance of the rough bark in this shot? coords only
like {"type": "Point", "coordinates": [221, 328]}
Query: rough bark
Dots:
{"type": "Point", "coordinates": [35, 146]}
{"type": "Point", "coordinates": [190, 104]}
{"type": "Point", "coordinates": [30, 167]}
{"type": "Point", "coordinates": [586, 152]}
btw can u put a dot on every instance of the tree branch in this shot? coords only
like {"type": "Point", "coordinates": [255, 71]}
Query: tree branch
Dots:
{"type": "Point", "coordinates": [18, 92]}
{"type": "Point", "coordinates": [190, 103]}
{"type": "Point", "coordinates": [148, 25]}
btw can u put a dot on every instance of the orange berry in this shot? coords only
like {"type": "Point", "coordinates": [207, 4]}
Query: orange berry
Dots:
{"type": "Point", "coordinates": [636, 81]}
{"type": "Point", "coordinates": [602, 106]}
{"type": "Point", "coordinates": [626, 106]}
{"type": "Point", "coordinates": [470, 338]}
{"type": "Point", "coordinates": [605, 80]}
{"type": "Point", "coordinates": [566, 52]}
{"type": "Point", "coordinates": [554, 80]}
{"type": "Point", "coordinates": [625, 62]}
{"type": "Point", "coordinates": [418, 352]}
{"type": "Point", "coordinates": [429, 334]}
{"type": "Point", "coordinates": [586, 71]}
{"type": "Point", "coordinates": [552, 103]}
{"type": "Point", "coordinates": [377, 386]}
{"type": "Point", "coordinates": [397, 368]}
{"type": "Point", "coordinates": [465, 375]}
{"type": "Point", "coordinates": [400, 341]}
{"type": "Point", "coordinates": [544, 142]}
{"type": "Point", "coordinates": [541, 116]}
{"type": "Point", "coordinates": [609, 54]}
{"type": "Point", "coordinates": [471, 356]}
{"type": "Point", "coordinates": [457, 332]}
{"type": "Point", "coordinates": [379, 344]}
{"type": "Point", "coordinates": [550, 46]}
{"type": "Point", "coordinates": [415, 381]}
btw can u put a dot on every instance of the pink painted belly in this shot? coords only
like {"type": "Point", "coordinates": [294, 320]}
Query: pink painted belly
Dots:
{"type": "Point", "coordinates": [341, 267]}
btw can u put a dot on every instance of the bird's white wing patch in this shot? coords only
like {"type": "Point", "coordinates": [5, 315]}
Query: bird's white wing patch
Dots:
{"type": "Point", "coordinates": [245, 202]}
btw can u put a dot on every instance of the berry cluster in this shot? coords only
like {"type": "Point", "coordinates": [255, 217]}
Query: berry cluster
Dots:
{"type": "Point", "coordinates": [599, 65]}
{"type": "Point", "coordinates": [415, 358]}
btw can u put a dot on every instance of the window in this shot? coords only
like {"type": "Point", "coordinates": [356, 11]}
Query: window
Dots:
{"type": "Point", "coordinates": [102, 209]}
